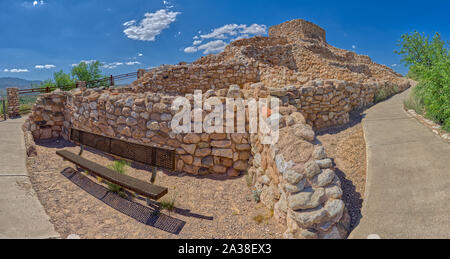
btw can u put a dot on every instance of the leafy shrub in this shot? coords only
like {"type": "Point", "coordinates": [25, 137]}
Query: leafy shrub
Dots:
{"type": "Point", "coordinates": [1, 106]}
{"type": "Point", "coordinates": [414, 102]}
{"type": "Point", "coordinates": [429, 63]}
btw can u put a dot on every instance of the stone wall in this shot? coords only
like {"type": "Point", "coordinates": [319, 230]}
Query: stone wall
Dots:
{"type": "Point", "coordinates": [325, 103]}
{"type": "Point", "coordinates": [182, 79]}
{"type": "Point", "coordinates": [298, 29]}
{"type": "Point", "coordinates": [295, 178]}
{"type": "Point", "coordinates": [13, 102]}
{"type": "Point", "coordinates": [140, 118]}
{"type": "Point", "coordinates": [49, 118]}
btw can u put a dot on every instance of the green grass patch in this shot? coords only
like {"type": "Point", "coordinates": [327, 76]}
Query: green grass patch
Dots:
{"type": "Point", "coordinates": [415, 102]}
{"type": "Point", "coordinates": [120, 167]}
{"type": "Point", "coordinates": [385, 93]}
{"type": "Point", "coordinates": [168, 205]}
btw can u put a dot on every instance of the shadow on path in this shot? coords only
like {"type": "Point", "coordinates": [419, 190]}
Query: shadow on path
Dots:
{"type": "Point", "coordinates": [352, 199]}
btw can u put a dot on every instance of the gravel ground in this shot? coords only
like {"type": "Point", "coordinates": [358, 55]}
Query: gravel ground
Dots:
{"type": "Point", "coordinates": [346, 145]}
{"type": "Point", "coordinates": [74, 211]}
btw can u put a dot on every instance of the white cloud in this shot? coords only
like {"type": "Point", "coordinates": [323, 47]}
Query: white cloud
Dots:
{"type": "Point", "coordinates": [353, 47]}
{"type": "Point", "coordinates": [212, 46]}
{"type": "Point", "coordinates": [394, 65]}
{"type": "Point", "coordinates": [132, 63]}
{"type": "Point", "coordinates": [190, 50]}
{"type": "Point", "coordinates": [221, 33]}
{"type": "Point", "coordinates": [255, 29]}
{"type": "Point", "coordinates": [33, 4]}
{"type": "Point", "coordinates": [167, 4]}
{"type": "Point", "coordinates": [140, 54]}
{"type": "Point", "coordinates": [129, 23]}
{"type": "Point", "coordinates": [44, 66]}
{"type": "Point", "coordinates": [151, 26]}
{"type": "Point", "coordinates": [217, 37]}
{"type": "Point", "coordinates": [84, 61]}
{"type": "Point", "coordinates": [228, 30]}
{"type": "Point", "coordinates": [37, 3]}
{"type": "Point", "coordinates": [112, 65]}
{"type": "Point", "coordinates": [16, 70]}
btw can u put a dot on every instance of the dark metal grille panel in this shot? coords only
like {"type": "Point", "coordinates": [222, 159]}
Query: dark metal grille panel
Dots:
{"type": "Point", "coordinates": [164, 158]}
{"type": "Point", "coordinates": [153, 156]}
{"type": "Point", "coordinates": [134, 210]}
{"type": "Point", "coordinates": [99, 143]}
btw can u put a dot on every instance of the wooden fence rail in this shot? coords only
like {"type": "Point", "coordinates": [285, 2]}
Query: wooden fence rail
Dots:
{"type": "Point", "coordinates": [111, 79]}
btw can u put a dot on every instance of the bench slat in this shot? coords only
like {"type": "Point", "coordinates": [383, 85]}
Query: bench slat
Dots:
{"type": "Point", "coordinates": [140, 187]}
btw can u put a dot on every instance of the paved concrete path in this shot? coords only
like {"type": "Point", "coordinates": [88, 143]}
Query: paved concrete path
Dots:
{"type": "Point", "coordinates": [408, 176]}
{"type": "Point", "coordinates": [21, 213]}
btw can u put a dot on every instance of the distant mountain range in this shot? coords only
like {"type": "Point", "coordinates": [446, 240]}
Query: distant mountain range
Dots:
{"type": "Point", "coordinates": [6, 82]}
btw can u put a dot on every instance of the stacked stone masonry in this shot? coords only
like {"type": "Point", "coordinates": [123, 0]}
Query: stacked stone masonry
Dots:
{"type": "Point", "coordinates": [49, 118]}
{"type": "Point", "coordinates": [317, 86]}
{"type": "Point", "coordinates": [295, 53]}
{"type": "Point", "coordinates": [139, 118]}
{"type": "Point", "coordinates": [13, 102]}
{"type": "Point", "coordinates": [295, 178]}
{"type": "Point", "coordinates": [187, 78]}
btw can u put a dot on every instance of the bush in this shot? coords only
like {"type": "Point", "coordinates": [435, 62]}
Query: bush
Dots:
{"type": "Point", "coordinates": [1, 106]}
{"type": "Point", "coordinates": [414, 102]}
{"type": "Point", "coordinates": [429, 63]}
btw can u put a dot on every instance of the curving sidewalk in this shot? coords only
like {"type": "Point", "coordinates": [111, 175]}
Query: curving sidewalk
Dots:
{"type": "Point", "coordinates": [21, 213]}
{"type": "Point", "coordinates": [408, 176]}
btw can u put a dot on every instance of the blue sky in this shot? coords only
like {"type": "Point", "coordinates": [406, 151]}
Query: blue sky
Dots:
{"type": "Point", "coordinates": [38, 38]}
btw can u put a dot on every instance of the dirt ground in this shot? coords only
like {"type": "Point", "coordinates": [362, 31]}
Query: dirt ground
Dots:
{"type": "Point", "coordinates": [346, 145]}
{"type": "Point", "coordinates": [209, 207]}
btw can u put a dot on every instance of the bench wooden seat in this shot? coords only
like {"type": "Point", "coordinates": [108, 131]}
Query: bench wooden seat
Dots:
{"type": "Point", "coordinates": [140, 187]}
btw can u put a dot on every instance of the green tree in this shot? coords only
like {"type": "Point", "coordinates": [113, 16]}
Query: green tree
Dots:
{"type": "Point", "coordinates": [89, 73]}
{"type": "Point", "coordinates": [59, 80]}
{"type": "Point", "coordinates": [62, 79]}
{"type": "Point", "coordinates": [46, 83]}
{"type": "Point", "coordinates": [429, 63]}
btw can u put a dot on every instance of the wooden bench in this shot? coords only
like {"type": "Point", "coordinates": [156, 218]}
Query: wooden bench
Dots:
{"type": "Point", "coordinates": [145, 189]}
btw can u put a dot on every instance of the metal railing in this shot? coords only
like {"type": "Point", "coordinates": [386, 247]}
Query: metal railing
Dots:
{"type": "Point", "coordinates": [107, 81]}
